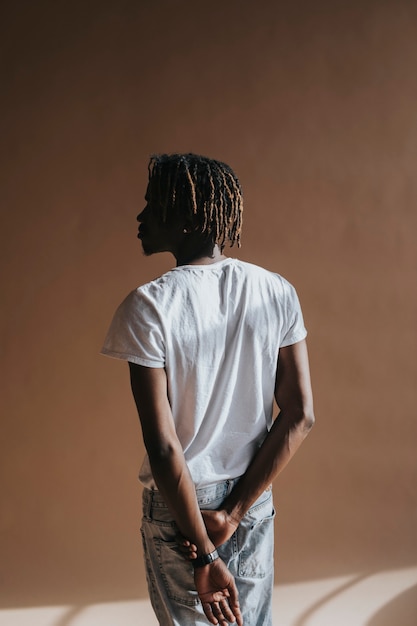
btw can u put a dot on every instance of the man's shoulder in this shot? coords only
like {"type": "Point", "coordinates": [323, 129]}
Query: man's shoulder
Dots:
{"type": "Point", "coordinates": [263, 278]}
{"type": "Point", "coordinates": [158, 294]}
{"type": "Point", "coordinates": [153, 286]}
{"type": "Point", "coordinates": [258, 271]}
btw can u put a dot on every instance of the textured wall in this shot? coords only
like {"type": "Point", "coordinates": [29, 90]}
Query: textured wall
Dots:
{"type": "Point", "coordinates": [314, 105]}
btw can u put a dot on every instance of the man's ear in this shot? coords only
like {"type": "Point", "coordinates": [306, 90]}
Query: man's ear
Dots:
{"type": "Point", "coordinates": [191, 227]}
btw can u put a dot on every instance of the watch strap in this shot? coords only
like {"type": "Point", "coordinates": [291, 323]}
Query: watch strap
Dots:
{"type": "Point", "coordinates": [205, 559]}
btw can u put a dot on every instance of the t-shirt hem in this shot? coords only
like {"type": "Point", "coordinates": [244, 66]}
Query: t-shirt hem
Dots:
{"type": "Point", "coordinates": [124, 356]}
{"type": "Point", "coordinates": [294, 339]}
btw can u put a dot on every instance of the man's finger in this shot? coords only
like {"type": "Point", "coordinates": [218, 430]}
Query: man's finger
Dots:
{"type": "Point", "coordinates": [226, 612]}
{"type": "Point", "coordinates": [234, 603]}
{"type": "Point", "coordinates": [209, 613]}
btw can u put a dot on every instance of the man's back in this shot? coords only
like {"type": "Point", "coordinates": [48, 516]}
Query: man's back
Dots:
{"type": "Point", "coordinates": [217, 330]}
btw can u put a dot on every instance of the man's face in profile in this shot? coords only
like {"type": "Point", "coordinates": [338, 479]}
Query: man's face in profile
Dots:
{"type": "Point", "coordinates": [156, 235]}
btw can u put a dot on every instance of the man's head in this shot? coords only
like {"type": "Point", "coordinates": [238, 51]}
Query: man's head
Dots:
{"type": "Point", "coordinates": [202, 194]}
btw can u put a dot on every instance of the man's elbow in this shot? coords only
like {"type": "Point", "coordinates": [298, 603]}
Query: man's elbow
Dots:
{"type": "Point", "coordinates": [302, 417]}
{"type": "Point", "coordinates": [307, 420]}
{"type": "Point", "coordinates": [162, 454]}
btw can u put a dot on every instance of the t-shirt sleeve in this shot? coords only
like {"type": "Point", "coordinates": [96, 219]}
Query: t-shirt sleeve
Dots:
{"type": "Point", "coordinates": [135, 333]}
{"type": "Point", "coordinates": [294, 329]}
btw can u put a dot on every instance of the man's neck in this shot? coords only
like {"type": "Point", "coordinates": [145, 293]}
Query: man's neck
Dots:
{"type": "Point", "coordinates": [200, 257]}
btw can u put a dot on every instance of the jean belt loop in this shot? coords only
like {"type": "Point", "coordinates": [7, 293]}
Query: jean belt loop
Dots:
{"type": "Point", "coordinates": [149, 498]}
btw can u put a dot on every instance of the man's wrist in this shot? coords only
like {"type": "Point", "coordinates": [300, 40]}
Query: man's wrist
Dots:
{"type": "Point", "coordinates": [233, 515]}
{"type": "Point", "coordinates": [205, 559]}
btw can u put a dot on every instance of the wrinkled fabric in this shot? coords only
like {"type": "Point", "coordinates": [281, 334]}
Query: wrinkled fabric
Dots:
{"type": "Point", "coordinates": [217, 330]}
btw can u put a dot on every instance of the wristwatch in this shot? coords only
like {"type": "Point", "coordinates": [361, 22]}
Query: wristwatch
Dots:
{"type": "Point", "coordinates": [205, 559]}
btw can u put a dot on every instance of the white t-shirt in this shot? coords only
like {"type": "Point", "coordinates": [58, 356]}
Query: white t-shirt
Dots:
{"type": "Point", "coordinates": [217, 330]}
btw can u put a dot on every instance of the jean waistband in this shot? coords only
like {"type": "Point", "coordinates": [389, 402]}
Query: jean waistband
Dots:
{"type": "Point", "coordinates": [216, 491]}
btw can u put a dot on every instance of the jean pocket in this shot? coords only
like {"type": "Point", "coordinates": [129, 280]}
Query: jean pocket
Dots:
{"type": "Point", "coordinates": [176, 573]}
{"type": "Point", "coordinates": [255, 537]}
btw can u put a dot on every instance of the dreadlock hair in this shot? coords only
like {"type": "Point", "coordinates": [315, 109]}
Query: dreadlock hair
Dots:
{"type": "Point", "coordinates": [203, 191]}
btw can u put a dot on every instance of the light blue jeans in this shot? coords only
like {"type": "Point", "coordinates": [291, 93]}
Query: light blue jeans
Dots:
{"type": "Point", "coordinates": [249, 555]}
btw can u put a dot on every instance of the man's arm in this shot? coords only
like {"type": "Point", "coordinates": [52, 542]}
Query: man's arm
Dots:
{"type": "Point", "coordinates": [295, 401]}
{"type": "Point", "coordinates": [214, 583]}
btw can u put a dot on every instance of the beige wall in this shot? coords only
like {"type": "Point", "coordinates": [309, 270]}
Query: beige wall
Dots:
{"type": "Point", "coordinates": [314, 105]}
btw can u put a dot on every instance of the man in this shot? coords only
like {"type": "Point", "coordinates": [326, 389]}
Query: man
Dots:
{"type": "Point", "coordinates": [209, 345]}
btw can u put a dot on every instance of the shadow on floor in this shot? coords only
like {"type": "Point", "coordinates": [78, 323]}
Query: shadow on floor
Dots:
{"type": "Point", "coordinates": [304, 617]}
{"type": "Point", "coordinates": [402, 610]}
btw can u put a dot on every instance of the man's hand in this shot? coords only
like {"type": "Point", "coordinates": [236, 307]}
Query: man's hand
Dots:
{"type": "Point", "coordinates": [218, 594]}
{"type": "Point", "coordinates": [220, 527]}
